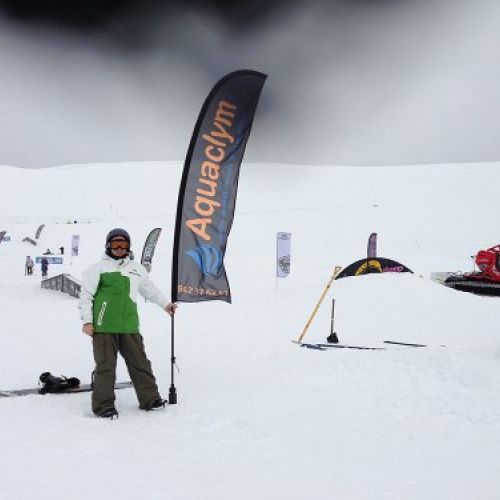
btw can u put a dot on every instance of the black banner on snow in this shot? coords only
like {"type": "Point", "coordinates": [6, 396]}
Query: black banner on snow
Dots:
{"type": "Point", "coordinates": [207, 194]}
{"type": "Point", "coordinates": [369, 266]}
{"type": "Point", "coordinates": [149, 248]}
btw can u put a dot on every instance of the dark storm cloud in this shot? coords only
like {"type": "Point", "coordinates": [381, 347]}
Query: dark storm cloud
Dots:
{"type": "Point", "coordinates": [350, 81]}
{"type": "Point", "coordinates": [92, 14]}
{"type": "Point", "coordinates": [143, 15]}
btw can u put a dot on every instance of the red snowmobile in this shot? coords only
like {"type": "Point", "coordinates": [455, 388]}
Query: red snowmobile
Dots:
{"type": "Point", "coordinates": [486, 280]}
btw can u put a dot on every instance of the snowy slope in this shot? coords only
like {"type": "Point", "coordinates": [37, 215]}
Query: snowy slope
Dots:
{"type": "Point", "coordinates": [259, 417]}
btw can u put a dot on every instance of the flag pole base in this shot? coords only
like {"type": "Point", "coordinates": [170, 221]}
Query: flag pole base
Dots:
{"type": "Point", "coordinates": [172, 395]}
{"type": "Point", "coordinates": [332, 338]}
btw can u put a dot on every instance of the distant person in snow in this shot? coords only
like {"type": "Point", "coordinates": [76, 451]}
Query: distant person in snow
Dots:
{"type": "Point", "coordinates": [29, 266]}
{"type": "Point", "coordinates": [61, 250]}
{"type": "Point", "coordinates": [109, 314]}
{"type": "Point", "coordinates": [45, 266]}
{"type": "Point", "coordinates": [47, 252]}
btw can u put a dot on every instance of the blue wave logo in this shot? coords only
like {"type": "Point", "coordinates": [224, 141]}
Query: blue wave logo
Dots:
{"type": "Point", "coordinates": [208, 259]}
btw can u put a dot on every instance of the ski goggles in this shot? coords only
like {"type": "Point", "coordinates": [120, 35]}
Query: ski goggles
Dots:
{"type": "Point", "coordinates": [119, 245]}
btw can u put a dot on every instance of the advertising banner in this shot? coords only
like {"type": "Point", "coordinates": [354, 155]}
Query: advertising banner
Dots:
{"type": "Point", "coordinates": [372, 246]}
{"type": "Point", "coordinates": [370, 266]}
{"type": "Point", "coordinates": [39, 230]}
{"type": "Point", "coordinates": [283, 247]}
{"type": "Point", "coordinates": [50, 260]}
{"type": "Point", "coordinates": [207, 194]}
{"type": "Point", "coordinates": [149, 248]}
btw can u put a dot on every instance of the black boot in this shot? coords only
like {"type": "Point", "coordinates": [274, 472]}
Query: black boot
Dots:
{"type": "Point", "coordinates": [157, 404]}
{"type": "Point", "coordinates": [111, 413]}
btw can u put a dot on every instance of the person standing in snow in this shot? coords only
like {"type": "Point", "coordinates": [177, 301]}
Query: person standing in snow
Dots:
{"type": "Point", "coordinates": [109, 314]}
{"type": "Point", "coordinates": [29, 266]}
{"type": "Point", "coordinates": [45, 266]}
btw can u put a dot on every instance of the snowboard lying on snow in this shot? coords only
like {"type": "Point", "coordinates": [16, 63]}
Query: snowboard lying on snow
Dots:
{"type": "Point", "coordinates": [69, 390]}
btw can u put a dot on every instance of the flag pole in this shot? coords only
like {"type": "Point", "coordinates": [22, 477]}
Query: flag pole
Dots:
{"type": "Point", "coordinates": [336, 272]}
{"type": "Point", "coordinates": [172, 392]}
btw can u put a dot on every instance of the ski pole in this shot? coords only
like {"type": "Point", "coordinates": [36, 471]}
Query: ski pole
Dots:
{"type": "Point", "coordinates": [332, 338]}
{"type": "Point", "coordinates": [336, 272]}
{"type": "Point", "coordinates": [333, 314]}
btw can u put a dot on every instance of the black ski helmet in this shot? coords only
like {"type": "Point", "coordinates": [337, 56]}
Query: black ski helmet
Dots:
{"type": "Point", "coordinates": [116, 233]}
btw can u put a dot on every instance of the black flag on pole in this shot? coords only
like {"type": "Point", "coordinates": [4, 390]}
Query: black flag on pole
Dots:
{"type": "Point", "coordinates": [371, 252]}
{"type": "Point", "coordinates": [209, 184]}
{"type": "Point", "coordinates": [39, 230]}
{"type": "Point", "coordinates": [149, 248]}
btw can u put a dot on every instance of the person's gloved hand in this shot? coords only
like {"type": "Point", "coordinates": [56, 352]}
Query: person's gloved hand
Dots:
{"type": "Point", "coordinates": [88, 329]}
{"type": "Point", "coordinates": [170, 308]}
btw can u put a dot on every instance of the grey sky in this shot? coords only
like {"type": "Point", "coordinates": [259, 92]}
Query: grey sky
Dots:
{"type": "Point", "coordinates": [349, 83]}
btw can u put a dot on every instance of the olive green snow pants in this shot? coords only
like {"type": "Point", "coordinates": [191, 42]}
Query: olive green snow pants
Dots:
{"type": "Point", "coordinates": [131, 347]}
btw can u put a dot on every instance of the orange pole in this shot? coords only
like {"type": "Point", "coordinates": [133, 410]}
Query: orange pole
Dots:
{"type": "Point", "coordinates": [336, 272]}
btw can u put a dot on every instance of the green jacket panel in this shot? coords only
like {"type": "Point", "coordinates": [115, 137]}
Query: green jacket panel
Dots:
{"type": "Point", "coordinates": [113, 310]}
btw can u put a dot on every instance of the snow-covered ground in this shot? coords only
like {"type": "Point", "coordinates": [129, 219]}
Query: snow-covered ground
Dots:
{"type": "Point", "coordinates": [259, 417]}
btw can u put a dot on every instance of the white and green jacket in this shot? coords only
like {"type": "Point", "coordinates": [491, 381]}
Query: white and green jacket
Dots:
{"type": "Point", "coordinates": [109, 292]}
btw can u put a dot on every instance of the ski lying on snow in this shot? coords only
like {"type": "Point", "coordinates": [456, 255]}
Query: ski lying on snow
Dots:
{"type": "Point", "coordinates": [324, 347]}
{"type": "Point", "coordinates": [36, 390]}
{"type": "Point", "coordinates": [346, 346]}
{"type": "Point", "coordinates": [408, 344]}
{"type": "Point", "coordinates": [404, 343]}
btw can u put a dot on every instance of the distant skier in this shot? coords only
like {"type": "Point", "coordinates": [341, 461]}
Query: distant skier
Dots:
{"type": "Point", "coordinates": [47, 252]}
{"type": "Point", "coordinates": [45, 266]}
{"type": "Point", "coordinates": [29, 266]}
{"type": "Point", "coordinates": [61, 250]}
{"type": "Point", "coordinates": [109, 314]}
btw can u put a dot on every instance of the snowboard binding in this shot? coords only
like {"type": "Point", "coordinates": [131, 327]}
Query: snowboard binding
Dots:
{"type": "Point", "coordinates": [52, 384]}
